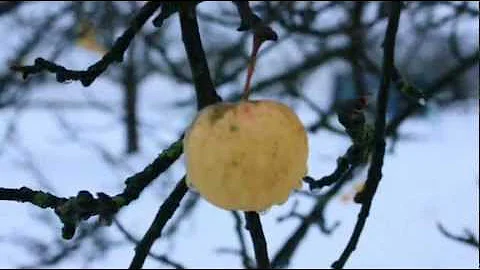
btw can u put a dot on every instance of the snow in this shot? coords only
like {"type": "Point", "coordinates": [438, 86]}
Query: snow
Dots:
{"type": "Point", "coordinates": [431, 177]}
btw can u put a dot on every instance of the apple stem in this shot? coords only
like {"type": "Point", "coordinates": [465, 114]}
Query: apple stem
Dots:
{"type": "Point", "coordinates": [257, 42]}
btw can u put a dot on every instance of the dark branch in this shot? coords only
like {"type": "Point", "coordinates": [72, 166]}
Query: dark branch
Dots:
{"type": "Point", "coordinates": [283, 256]}
{"type": "Point", "coordinates": [168, 9]}
{"type": "Point", "coordinates": [165, 212]}
{"type": "Point", "coordinates": [7, 6]}
{"type": "Point", "coordinates": [351, 115]}
{"type": "Point", "coordinates": [343, 168]}
{"type": "Point", "coordinates": [316, 216]}
{"type": "Point", "coordinates": [250, 21]}
{"type": "Point", "coordinates": [254, 226]}
{"type": "Point", "coordinates": [162, 258]}
{"type": "Point", "coordinates": [38, 198]}
{"type": "Point", "coordinates": [375, 170]}
{"type": "Point", "coordinates": [205, 91]}
{"type": "Point", "coordinates": [248, 18]}
{"type": "Point", "coordinates": [188, 207]}
{"type": "Point", "coordinates": [468, 239]}
{"type": "Point", "coordinates": [137, 183]}
{"type": "Point", "coordinates": [83, 206]}
{"type": "Point", "coordinates": [115, 54]}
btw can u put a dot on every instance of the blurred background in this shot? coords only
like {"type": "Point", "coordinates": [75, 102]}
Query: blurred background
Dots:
{"type": "Point", "coordinates": [63, 137]}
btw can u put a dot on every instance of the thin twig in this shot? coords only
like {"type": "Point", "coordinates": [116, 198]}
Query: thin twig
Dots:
{"type": "Point", "coordinates": [57, 251]}
{"type": "Point", "coordinates": [375, 170]}
{"type": "Point", "coordinates": [468, 239]}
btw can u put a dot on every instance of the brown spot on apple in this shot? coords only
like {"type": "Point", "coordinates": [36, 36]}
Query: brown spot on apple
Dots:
{"type": "Point", "coordinates": [218, 111]}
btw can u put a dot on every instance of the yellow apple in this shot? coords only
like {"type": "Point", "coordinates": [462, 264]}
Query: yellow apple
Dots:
{"type": "Point", "coordinates": [246, 156]}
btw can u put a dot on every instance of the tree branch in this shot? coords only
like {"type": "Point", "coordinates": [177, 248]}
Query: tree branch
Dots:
{"type": "Point", "coordinates": [375, 170]}
{"type": "Point", "coordinates": [137, 183]}
{"type": "Point", "coordinates": [351, 115]}
{"type": "Point", "coordinates": [83, 206]}
{"type": "Point", "coordinates": [316, 216]}
{"type": "Point", "coordinates": [116, 53]}
{"type": "Point", "coordinates": [468, 239]}
{"type": "Point", "coordinates": [248, 18]}
{"type": "Point", "coordinates": [254, 226]}
{"type": "Point", "coordinates": [38, 198]}
{"type": "Point", "coordinates": [168, 9]}
{"type": "Point", "coordinates": [356, 155]}
{"type": "Point", "coordinates": [188, 207]}
{"type": "Point", "coordinates": [162, 258]}
{"type": "Point", "coordinates": [205, 91]}
{"type": "Point", "coordinates": [165, 212]}
{"type": "Point", "coordinates": [7, 6]}
{"type": "Point", "coordinates": [250, 21]}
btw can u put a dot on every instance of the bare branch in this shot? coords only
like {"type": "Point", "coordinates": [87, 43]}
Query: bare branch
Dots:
{"type": "Point", "coordinates": [375, 170]}
{"type": "Point", "coordinates": [205, 91]}
{"type": "Point", "coordinates": [259, 243]}
{"type": "Point", "coordinates": [162, 258]}
{"type": "Point", "coordinates": [7, 6]}
{"type": "Point", "coordinates": [115, 54]}
{"type": "Point", "coordinates": [468, 238]}
{"type": "Point", "coordinates": [165, 212]}
{"type": "Point", "coordinates": [315, 216]}
{"type": "Point", "coordinates": [38, 198]}
{"type": "Point", "coordinates": [351, 116]}
{"type": "Point", "coordinates": [83, 206]}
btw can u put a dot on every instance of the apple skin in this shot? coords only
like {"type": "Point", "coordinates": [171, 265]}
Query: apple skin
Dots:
{"type": "Point", "coordinates": [246, 156]}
